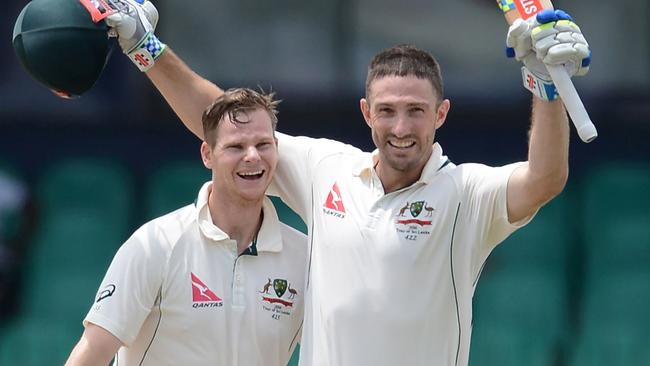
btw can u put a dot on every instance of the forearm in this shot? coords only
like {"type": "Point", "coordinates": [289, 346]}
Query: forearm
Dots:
{"type": "Point", "coordinates": [545, 174]}
{"type": "Point", "coordinates": [185, 91]}
{"type": "Point", "coordinates": [548, 152]}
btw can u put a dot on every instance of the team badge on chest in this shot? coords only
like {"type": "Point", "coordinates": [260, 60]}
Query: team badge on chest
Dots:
{"type": "Point", "coordinates": [413, 219]}
{"type": "Point", "coordinates": [280, 301]}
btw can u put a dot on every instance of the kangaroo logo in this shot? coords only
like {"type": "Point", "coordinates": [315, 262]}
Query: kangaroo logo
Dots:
{"type": "Point", "coordinates": [202, 296]}
{"type": "Point", "coordinates": [403, 209]}
{"type": "Point", "coordinates": [266, 287]}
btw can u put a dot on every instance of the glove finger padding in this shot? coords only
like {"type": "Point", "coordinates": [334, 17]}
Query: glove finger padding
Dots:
{"type": "Point", "coordinates": [151, 13]}
{"type": "Point", "coordinates": [550, 38]}
{"type": "Point", "coordinates": [132, 23]}
{"type": "Point", "coordinates": [123, 26]}
{"type": "Point", "coordinates": [560, 42]}
{"type": "Point", "coordinates": [519, 40]}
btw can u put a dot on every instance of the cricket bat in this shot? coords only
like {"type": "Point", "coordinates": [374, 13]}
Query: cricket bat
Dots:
{"type": "Point", "coordinates": [514, 9]}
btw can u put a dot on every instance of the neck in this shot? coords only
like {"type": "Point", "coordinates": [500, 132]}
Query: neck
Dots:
{"type": "Point", "coordinates": [240, 219]}
{"type": "Point", "coordinates": [393, 180]}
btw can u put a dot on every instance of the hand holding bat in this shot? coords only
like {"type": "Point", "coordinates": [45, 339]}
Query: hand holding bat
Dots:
{"type": "Point", "coordinates": [552, 48]}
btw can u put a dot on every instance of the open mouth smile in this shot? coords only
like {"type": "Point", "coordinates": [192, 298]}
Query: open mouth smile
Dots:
{"type": "Point", "coordinates": [401, 144]}
{"type": "Point", "coordinates": [251, 175]}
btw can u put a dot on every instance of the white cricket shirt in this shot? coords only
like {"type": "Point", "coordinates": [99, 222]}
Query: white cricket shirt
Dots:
{"type": "Point", "coordinates": [177, 293]}
{"type": "Point", "coordinates": [391, 276]}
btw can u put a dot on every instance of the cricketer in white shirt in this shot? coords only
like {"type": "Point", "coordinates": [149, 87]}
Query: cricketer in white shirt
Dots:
{"type": "Point", "coordinates": [392, 275]}
{"type": "Point", "coordinates": [177, 293]}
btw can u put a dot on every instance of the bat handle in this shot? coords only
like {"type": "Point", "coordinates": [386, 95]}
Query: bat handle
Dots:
{"type": "Point", "coordinates": [579, 116]}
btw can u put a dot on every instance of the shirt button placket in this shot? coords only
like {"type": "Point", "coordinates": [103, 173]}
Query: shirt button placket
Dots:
{"type": "Point", "coordinates": [238, 306]}
{"type": "Point", "coordinates": [238, 284]}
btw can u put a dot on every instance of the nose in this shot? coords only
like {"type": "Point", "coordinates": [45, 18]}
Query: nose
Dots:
{"type": "Point", "coordinates": [252, 155]}
{"type": "Point", "coordinates": [401, 126]}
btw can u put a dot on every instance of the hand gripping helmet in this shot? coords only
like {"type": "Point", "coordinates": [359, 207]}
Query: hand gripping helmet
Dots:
{"type": "Point", "coordinates": [60, 46]}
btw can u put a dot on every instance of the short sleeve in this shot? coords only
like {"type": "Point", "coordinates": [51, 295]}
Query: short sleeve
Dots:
{"type": "Point", "coordinates": [130, 287]}
{"type": "Point", "coordinates": [486, 191]}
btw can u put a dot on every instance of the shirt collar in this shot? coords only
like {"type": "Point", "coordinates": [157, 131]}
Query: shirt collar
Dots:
{"type": "Point", "coordinates": [269, 238]}
{"type": "Point", "coordinates": [365, 167]}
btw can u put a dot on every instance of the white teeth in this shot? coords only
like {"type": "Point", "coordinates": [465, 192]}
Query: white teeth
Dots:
{"type": "Point", "coordinates": [252, 173]}
{"type": "Point", "coordinates": [402, 144]}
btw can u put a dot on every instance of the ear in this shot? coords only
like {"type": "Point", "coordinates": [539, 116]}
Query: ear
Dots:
{"type": "Point", "coordinates": [206, 155]}
{"type": "Point", "coordinates": [365, 110]}
{"type": "Point", "coordinates": [441, 113]}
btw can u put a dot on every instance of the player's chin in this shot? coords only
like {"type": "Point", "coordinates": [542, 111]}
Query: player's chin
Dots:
{"type": "Point", "coordinates": [255, 189]}
{"type": "Point", "coordinates": [401, 155]}
{"type": "Point", "coordinates": [252, 194]}
{"type": "Point", "coordinates": [401, 163]}
{"type": "Point", "coordinates": [407, 158]}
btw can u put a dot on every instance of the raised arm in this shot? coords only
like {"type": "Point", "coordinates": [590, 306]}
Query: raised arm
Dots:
{"type": "Point", "coordinates": [544, 177]}
{"type": "Point", "coordinates": [549, 38]}
{"type": "Point", "coordinates": [184, 90]}
{"type": "Point", "coordinates": [97, 346]}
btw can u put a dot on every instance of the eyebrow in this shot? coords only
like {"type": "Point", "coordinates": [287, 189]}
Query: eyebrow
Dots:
{"type": "Point", "coordinates": [413, 104]}
{"type": "Point", "coordinates": [417, 104]}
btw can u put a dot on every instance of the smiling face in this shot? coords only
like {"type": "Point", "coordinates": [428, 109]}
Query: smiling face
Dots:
{"type": "Point", "coordinates": [403, 113]}
{"type": "Point", "coordinates": [244, 156]}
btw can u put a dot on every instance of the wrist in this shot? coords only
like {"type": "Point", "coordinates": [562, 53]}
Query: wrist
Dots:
{"type": "Point", "coordinates": [541, 88]}
{"type": "Point", "coordinates": [146, 52]}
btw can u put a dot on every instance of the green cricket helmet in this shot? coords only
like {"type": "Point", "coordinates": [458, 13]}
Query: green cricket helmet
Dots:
{"type": "Point", "coordinates": [60, 46]}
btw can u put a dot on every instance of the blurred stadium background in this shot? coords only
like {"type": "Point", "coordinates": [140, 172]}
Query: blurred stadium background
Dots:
{"type": "Point", "coordinates": [77, 177]}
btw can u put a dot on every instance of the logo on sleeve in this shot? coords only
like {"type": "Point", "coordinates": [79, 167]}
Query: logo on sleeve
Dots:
{"type": "Point", "coordinates": [334, 203]}
{"type": "Point", "coordinates": [106, 292]}
{"type": "Point", "coordinates": [202, 296]}
{"type": "Point", "coordinates": [280, 300]}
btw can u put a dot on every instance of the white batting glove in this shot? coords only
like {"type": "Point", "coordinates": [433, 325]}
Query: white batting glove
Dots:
{"type": "Point", "coordinates": [134, 24]}
{"type": "Point", "coordinates": [549, 38]}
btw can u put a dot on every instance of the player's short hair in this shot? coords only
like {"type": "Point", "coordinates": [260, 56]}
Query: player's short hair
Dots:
{"type": "Point", "coordinates": [232, 103]}
{"type": "Point", "coordinates": [406, 60]}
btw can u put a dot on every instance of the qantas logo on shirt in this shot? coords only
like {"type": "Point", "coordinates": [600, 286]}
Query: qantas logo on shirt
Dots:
{"type": "Point", "coordinates": [334, 203]}
{"type": "Point", "coordinates": [202, 296]}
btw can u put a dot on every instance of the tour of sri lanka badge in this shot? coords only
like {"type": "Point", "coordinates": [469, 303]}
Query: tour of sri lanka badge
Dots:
{"type": "Point", "coordinates": [280, 288]}
{"type": "Point", "coordinates": [413, 219]}
{"type": "Point", "coordinates": [282, 303]}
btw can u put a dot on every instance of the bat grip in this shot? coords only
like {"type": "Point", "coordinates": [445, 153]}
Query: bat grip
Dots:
{"type": "Point", "coordinates": [579, 116]}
